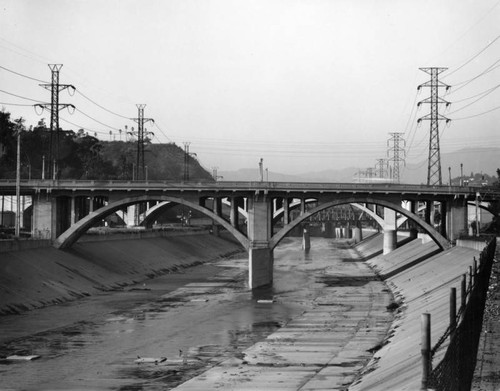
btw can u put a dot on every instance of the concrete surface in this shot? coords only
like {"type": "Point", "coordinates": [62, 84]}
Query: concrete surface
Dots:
{"type": "Point", "coordinates": [421, 288]}
{"type": "Point", "coordinates": [325, 347]}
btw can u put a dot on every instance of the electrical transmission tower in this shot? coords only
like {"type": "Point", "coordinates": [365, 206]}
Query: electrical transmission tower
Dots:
{"type": "Point", "coordinates": [55, 107]}
{"type": "Point", "coordinates": [396, 153]}
{"type": "Point", "coordinates": [381, 167]}
{"type": "Point", "coordinates": [434, 162]}
{"type": "Point", "coordinates": [187, 155]}
{"type": "Point", "coordinates": [141, 135]}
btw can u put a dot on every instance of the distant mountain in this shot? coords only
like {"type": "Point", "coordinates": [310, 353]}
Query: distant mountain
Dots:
{"type": "Point", "coordinates": [476, 160]}
{"type": "Point", "coordinates": [251, 174]}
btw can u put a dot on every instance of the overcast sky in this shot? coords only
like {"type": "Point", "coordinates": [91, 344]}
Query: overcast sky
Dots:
{"type": "Point", "coordinates": [305, 85]}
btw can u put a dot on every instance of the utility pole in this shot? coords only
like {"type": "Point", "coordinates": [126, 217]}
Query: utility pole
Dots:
{"type": "Point", "coordinates": [17, 226]}
{"type": "Point", "coordinates": [396, 153]}
{"type": "Point", "coordinates": [186, 160]}
{"type": "Point", "coordinates": [141, 134]}
{"type": "Point", "coordinates": [434, 161]}
{"type": "Point", "coordinates": [55, 107]}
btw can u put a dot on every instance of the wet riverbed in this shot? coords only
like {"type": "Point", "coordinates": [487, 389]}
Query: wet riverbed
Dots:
{"type": "Point", "coordinates": [195, 318]}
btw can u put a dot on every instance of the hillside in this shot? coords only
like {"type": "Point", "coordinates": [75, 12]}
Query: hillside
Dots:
{"type": "Point", "coordinates": [82, 156]}
{"type": "Point", "coordinates": [163, 161]}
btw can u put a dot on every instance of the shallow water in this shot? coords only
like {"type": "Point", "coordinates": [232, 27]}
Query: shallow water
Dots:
{"type": "Point", "coordinates": [195, 318]}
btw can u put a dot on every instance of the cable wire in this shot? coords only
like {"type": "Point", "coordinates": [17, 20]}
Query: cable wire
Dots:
{"type": "Point", "coordinates": [102, 107]}
{"type": "Point", "coordinates": [19, 96]}
{"type": "Point", "coordinates": [20, 74]}
{"type": "Point", "coordinates": [99, 122]}
{"type": "Point", "coordinates": [473, 57]}
{"type": "Point", "coordinates": [477, 115]}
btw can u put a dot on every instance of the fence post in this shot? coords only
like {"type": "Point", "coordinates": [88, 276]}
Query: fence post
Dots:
{"type": "Point", "coordinates": [464, 292]}
{"type": "Point", "coordinates": [453, 311]}
{"type": "Point", "coordinates": [425, 327]}
{"type": "Point", "coordinates": [470, 278]}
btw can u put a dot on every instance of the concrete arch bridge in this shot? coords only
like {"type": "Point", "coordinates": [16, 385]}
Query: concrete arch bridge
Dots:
{"type": "Point", "coordinates": [56, 208]}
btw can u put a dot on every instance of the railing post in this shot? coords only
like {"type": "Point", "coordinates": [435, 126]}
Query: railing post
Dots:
{"type": "Point", "coordinates": [471, 276]}
{"type": "Point", "coordinates": [426, 349]}
{"type": "Point", "coordinates": [453, 311]}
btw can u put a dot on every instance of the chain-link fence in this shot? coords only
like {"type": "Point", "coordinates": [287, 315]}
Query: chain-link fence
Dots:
{"type": "Point", "coordinates": [456, 370]}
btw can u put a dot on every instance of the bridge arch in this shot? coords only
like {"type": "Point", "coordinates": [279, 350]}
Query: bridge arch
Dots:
{"type": "Point", "coordinates": [436, 236]}
{"type": "Point", "coordinates": [70, 236]}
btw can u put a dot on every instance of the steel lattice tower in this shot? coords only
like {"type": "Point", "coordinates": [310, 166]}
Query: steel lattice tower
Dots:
{"type": "Point", "coordinates": [396, 153]}
{"type": "Point", "coordinates": [381, 165]}
{"type": "Point", "coordinates": [434, 176]}
{"type": "Point", "coordinates": [141, 166]}
{"type": "Point", "coordinates": [55, 107]}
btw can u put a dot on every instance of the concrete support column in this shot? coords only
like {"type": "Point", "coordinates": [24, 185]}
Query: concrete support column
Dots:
{"type": "Point", "coordinates": [217, 209]}
{"type": "Point", "coordinates": [260, 266]}
{"type": "Point", "coordinates": [73, 210]}
{"type": "Point", "coordinates": [44, 218]}
{"type": "Point", "coordinates": [131, 215]}
{"type": "Point", "coordinates": [429, 205]}
{"type": "Point", "coordinates": [261, 257]}
{"type": "Point", "coordinates": [306, 239]}
{"type": "Point", "coordinates": [357, 234]}
{"type": "Point", "coordinates": [286, 211]}
{"type": "Point", "coordinates": [302, 206]}
{"type": "Point", "coordinates": [91, 204]}
{"type": "Point", "coordinates": [456, 219]}
{"type": "Point", "coordinates": [348, 232]}
{"type": "Point", "coordinates": [233, 215]}
{"type": "Point", "coordinates": [390, 240]}
{"type": "Point", "coordinates": [390, 230]}
{"type": "Point", "coordinates": [443, 227]}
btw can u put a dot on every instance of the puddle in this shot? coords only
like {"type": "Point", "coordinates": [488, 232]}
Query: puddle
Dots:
{"type": "Point", "coordinates": [346, 281]}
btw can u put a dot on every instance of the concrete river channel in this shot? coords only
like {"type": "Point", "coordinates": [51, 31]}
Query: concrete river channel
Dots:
{"type": "Point", "coordinates": [196, 318]}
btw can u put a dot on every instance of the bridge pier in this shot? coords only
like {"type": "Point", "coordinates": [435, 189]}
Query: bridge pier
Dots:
{"type": "Point", "coordinates": [390, 230]}
{"type": "Point", "coordinates": [44, 217]}
{"type": "Point", "coordinates": [306, 240]}
{"type": "Point", "coordinates": [260, 254]}
{"type": "Point", "coordinates": [456, 218]}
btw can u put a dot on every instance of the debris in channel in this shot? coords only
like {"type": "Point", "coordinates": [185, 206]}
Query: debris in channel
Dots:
{"type": "Point", "coordinates": [16, 357]}
{"type": "Point", "coordinates": [150, 360]}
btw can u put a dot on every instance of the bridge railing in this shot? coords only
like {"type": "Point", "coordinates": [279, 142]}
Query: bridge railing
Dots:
{"type": "Point", "coordinates": [248, 186]}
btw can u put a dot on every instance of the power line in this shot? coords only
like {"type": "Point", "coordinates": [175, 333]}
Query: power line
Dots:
{"type": "Point", "coordinates": [466, 82]}
{"type": "Point", "coordinates": [20, 74]}
{"type": "Point", "coordinates": [19, 96]}
{"type": "Point", "coordinates": [15, 104]}
{"type": "Point", "coordinates": [477, 100]}
{"type": "Point", "coordinates": [477, 115]}
{"type": "Point", "coordinates": [473, 57]}
{"type": "Point", "coordinates": [102, 107]}
{"type": "Point", "coordinates": [99, 122]}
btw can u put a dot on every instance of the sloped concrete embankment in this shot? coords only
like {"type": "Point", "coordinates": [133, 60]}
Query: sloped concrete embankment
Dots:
{"type": "Point", "coordinates": [35, 278]}
{"type": "Point", "coordinates": [420, 277]}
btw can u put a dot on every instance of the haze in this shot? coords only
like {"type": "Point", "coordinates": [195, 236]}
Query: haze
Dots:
{"type": "Point", "coordinates": [305, 85]}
